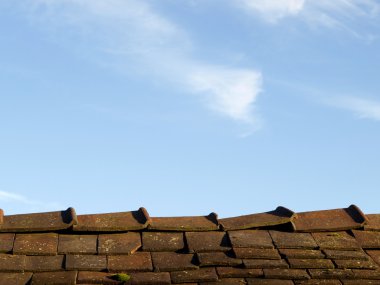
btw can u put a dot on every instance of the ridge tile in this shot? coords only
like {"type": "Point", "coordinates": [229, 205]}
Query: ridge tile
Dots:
{"type": "Point", "coordinates": [251, 238]}
{"type": "Point", "coordinates": [293, 240]}
{"type": "Point", "coordinates": [118, 244]}
{"type": "Point", "coordinates": [194, 223]}
{"type": "Point", "coordinates": [162, 241]}
{"type": "Point", "coordinates": [36, 244]}
{"type": "Point", "coordinates": [75, 244]}
{"type": "Point", "coordinates": [15, 278]}
{"type": "Point", "coordinates": [171, 261]}
{"type": "Point", "coordinates": [207, 241]}
{"type": "Point", "coordinates": [336, 240]}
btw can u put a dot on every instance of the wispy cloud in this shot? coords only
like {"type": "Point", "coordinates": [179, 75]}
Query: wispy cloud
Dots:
{"type": "Point", "coordinates": [362, 108]}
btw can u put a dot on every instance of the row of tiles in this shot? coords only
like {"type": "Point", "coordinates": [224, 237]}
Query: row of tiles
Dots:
{"type": "Point", "coordinates": [326, 220]}
{"type": "Point", "coordinates": [128, 243]}
{"type": "Point", "coordinates": [205, 276]}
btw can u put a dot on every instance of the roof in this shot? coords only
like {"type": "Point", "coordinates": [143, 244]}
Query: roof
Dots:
{"type": "Point", "coordinates": [340, 246]}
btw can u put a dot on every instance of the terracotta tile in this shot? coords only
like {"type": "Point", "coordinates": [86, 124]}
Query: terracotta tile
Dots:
{"type": "Point", "coordinates": [171, 261]}
{"type": "Point", "coordinates": [86, 262]}
{"type": "Point", "coordinates": [329, 220]}
{"type": "Point", "coordinates": [217, 259]}
{"type": "Point", "coordinates": [12, 263]}
{"type": "Point", "coordinates": [331, 273]}
{"type": "Point", "coordinates": [375, 254]}
{"type": "Point", "coordinates": [366, 274]}
{"type": "Point", "coordinates": [361, 282]}
{"type": "Point", "coordinates": [162, 241]}
{"type": "Point", "coordinates": [6, 242]}
{"type": "Point", "coordinates": [15, 278]}
{"type": "Point", "coordinates": [207, 241]}
{"type": "Point", "coordinates": [226, 281]}
{"type": "Point", "coordinates": [49, 221]}
{"type": "Point", "coordinates": [318, 282]}
{"type": "Point", "coordinates": [200, 275]}
{"type": "Point", "coordinates": [293, 240]}
{"type": "Point", "coordinates": [75, 244]}
{"type": "Point", "coordinates": [346, 254]}
{"type": "Point", "coordinates": [310, 263]}
{"type": "Point", "coordinates": [302, 253]}
{"type": "Point", "coordinates": [1, 216]}
{"type": "Point", "coordinates": [225, 272]}
{"type": "Point", "coordinates": [150, 278]}
{"type": "Point", "coordinates": [126, 243]}
{"type": "Point", "coordinates": [124, 221]}
{"type": "Point", "coordinates": [336, 240]}
{"type": "Point", "coordinates": [36, 244]}
{"type": "Point", "coordinates": [196, 223]}
{"type": "Point", "coordinates": [276, 217]}
{"type": "Point", "coordinates": [373, 222]}
{"type": "Point", "coordinates": [269, 282]}
{"type": "Point", "coordinates": [256, 253]}
{"type": "Point", "coordinates": [367, 239]}
{"type": "Point", "coordinates": [362, 264]}
{"type": "Point", "coordinates": [295, 274]}
{"type": "Point", "coordinates": [139, 261]}
{"type": "Point", "coordinates": [44, 263]}
{"type": "Point", "coordinates": [91, 277]}
{"type": "Point", "coordinates": [251, 238]}
{"type": "Point", "coordinates": [56, 278]}
{"type": "Point", "coordinates": [265, 263]}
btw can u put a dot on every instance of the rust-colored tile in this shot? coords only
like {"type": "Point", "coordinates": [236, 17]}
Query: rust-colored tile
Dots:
{"type": "Point", "coordinates": [329, 220]}
{"type": "Point", "coordinates": [265, 263]}
{"type": "Point", "coordinates": [346, 254]}
{"type": "Point", "coordinates": [375, 254]}
{"type": "Point", "coordinates": [256, 253]}
{"type": "Point", "coordinates": [126, 243]}
{"type": "Point", "coordinates": [301, 253]}
{"type": "Point", "coordinates": [251, 238]}
{"type": "Point", "coordinates": [49, 221]}
{"type": "Point", "coordinates": [357, 264]}
{"type": "Point", "coordinates": [124, 221]}
{"type": "Point", "coordinates": [150, 278]}
{"type": "Point", "coordinates": [6, 242]}
{"type": "Point", "coordinates": [367, 239]}
{"type": "Point", "coordinates": [207, 241]}
{"type": "Point", "coordinates": [12, 263]}
{"type": "Point", "coordinates": [294, 274]}
{"type": "Point", "coordinates": [336, 240]}
{"type": "Point", "coordinates": [36, 244]}
{"type": "Point", "coordinates": [86, 262]}
{"type": "Point", "coordinates": [171, 261]}
{"type": "Point", "coordinates": [310, 263]}
{"type": "Point", "coordinates": [56, 278]}
{"type": "Point", "coordinates": [200, 275]}
{"type": "Point", "coordinates": [217, 259]}
{"type": "Point", "coordinates": [139, 261]}
{"type": "Point", "coordinates": [44, 263]}
{"type": "Point", "coordinates": [331, 273]}
{"type": "Point", "coordinates": [92, 277]}
{"type": "Point", "coordinates": [196, 223]}
{"type": "Point", "coordinates": [162, 241]}
{"type": "Point", "coordinates": [75, 244]}
{"type": "Point", "coordinates": [226, 281]}
{"type": "Point", "coordinates": [373, 223]}
{"type": "Point", "coordinates": [269, 282]}
{"type": "Point", "coordinates": [293, 240]}
{"type": "Point", "coordinates": [366, 274]}
{"type": "Point", "coordinates": [318, 282]}
{"type": "Point", "coordinates": [225, 272]}
{"type": "Point", "coordinates": [15, 278]}
{"type": "Point", "coordinates": [276, 217]}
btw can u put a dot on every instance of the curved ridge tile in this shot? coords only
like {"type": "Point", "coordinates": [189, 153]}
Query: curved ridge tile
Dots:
{"type": "Point", "coordinates": [1, 216]}
{"type": "Point", "coordinates": [330, 220]}
{"type": "Point", "coordinates": [39, 222]}
{"type": "Point", "coordinates": [190, 223]}
{"type": "Point", "coordinates": [280, 215]}
{"type": "Point", "coordinates": [109, 222]}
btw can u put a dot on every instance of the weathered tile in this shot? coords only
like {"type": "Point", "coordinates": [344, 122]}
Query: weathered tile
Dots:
{"type": "Point", "coordinates": [126, 243]}
{"type": "Point", "coordinates": [196, 223]}
{"type": "Point", "coordinates": [329, 220]}
{"type": "Point", "coordinates": [6, 242]}
{"type": "Point", "coordinates": [92, 277]}
{"type": "Point", "coordinates": [265, 263]}
{"type": "Point", "coordinates": [373, 222]}
{"type": "Point", "coordinates": [124, 221]}
{"type": "Point", "coordinates": [276, 217]}
{"type": "Point", "coordinates": [12, 263]}
{"type": "Point", "coordinates": [1, 216]}
{"type": "Point", "coordinates": [368, 239]}
{"type": "Point", "coordinates": [361, 282]}
{"type": "Point", "coordinates": [44, 263]}
{"type": "Point", "coordinates": [346, 254]}
{"type": "Point", "coordinates": [318, 282]}
{"type": "Point", "coordinates": [225, 272]}
{"type": "Point", "coordinates": [251, 238]}
{"type": "Point", "coordinates": [217, 259]}
{"type": "Point", "coordinates": [139, 261]}
{"type": "Point", "coordinates": [331, 273]}
{"type": "Point", "coordinates": [310, 263]}
{"type": "Point", "coordinates": [56, 278]}
{"type": "Point", "coordinates": [207, 241]}
{"type": "Point", "coordinates": [171, 261]}
{"type": "Point", "coordinates": [150, 278]}
{"type": "Point", "coordinates": [226, 281]}
{"type": "Point", "coordinates": [269, 282]}
{"type": "Point", "coordinates": [302, 253]}
{"type": "Point", "coordinates": [256, 253]}
{"type": "Point", "coordinates": [336, 240]}
{"type": "Point", "coordinates": [375, 254]}
{"type": "Point", "coordinates": [49, 221]}
{"type": "Point", "coordinates": [77, 244]}
{"type": "Point", "coordinates": [86, 262]}
{"type": "Point", "coordinates": [362, 264]}
{"type": "Point", "coordinates": [293, 240]}
{"type": "Point", "coordinates": [201, 275]}
{"type": "Point", "coordinates": [294, 274]}
{"type": "Point", "coordinates": [366, 274]}
{"type": "Point", "coordinates": [36, 244]}
{"type": "Point", "coordinates": [15, 278]}
{"type": "Point", "coordinates": [162, 241]}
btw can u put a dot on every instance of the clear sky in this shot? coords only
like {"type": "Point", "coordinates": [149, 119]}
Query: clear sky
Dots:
{"type": "Point", "coordinates": [188, 107]}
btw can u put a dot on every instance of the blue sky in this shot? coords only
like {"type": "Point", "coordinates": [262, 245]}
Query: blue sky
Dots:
{"type": "Point", "coordinates": [188, 107]}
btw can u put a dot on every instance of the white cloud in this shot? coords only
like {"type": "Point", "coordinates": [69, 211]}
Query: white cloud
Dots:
{"type": "Point", "coordinates": [362, 108]}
